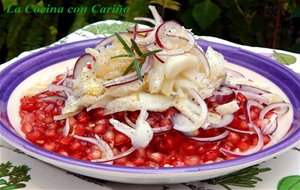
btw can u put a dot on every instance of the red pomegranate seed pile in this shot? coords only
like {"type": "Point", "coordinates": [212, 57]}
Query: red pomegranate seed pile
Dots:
{"type": "Point", "coordinates": [166, 149]}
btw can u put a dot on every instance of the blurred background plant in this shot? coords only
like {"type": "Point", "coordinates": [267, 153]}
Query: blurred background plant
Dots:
{"type": "Point", "coordinates": [268, 23]}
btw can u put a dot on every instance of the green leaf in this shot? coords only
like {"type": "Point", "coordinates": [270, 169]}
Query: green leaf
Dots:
{"type": "Point", "coordinates": [7, 3]}
{"type": "Point", "coordinates": [104, 28]}
{"type": "Point", "coordinates": [289, 182]}
{"type": "Point", "coordinates": [128, 68]}
{"type": "Point", "coordinates": [136, 47]}
{"type": "Point", "coordinates": [169, 4]}
{"type": "Point", "coordinates": [296, 12]}
{"type": "Point", "coordinates": [151, 53]}
{"type": "Point", "coordinates": [126, 47]}
{"type": "Point", "coordinates": [206, 13]}
{"type": "Point", "coordinates": [284, 58]}
{"type": "Point", "coordinates": [138, 69]}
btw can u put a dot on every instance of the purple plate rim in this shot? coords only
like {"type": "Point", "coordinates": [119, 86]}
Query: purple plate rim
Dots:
{"type": "Point", "coordinates": [75, 49]}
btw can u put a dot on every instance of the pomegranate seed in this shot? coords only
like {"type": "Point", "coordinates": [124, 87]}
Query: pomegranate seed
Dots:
{"type": "Point", "coordinates": [243, 145]}
{"type": "Point", "coordinates": [139, 161]}
{"type": "Point", "coordinates": [233, 137]}
{"type": "Point", "coordinates": [109, 136]}
{"type": "Point", "coordinates": [34, 136]}
{"type": "Point", "coordinates": [28, 118]}
{"type": "Point", "coordinates": [48, 109]}
{"type": "Point", "coordinates": [79, 129]}
{"type": "Point", "coordinates": [26, 128]}
{"type": "Point", "coordinates": [62, 152]}
{"type": "Point", "coordinates": [192, 160]}
{"type": "Point", "coordinates": [66, 140]}
{"type": "Point", "coordinates": [100, 129]}
{"type": "Point", "coordinates": [156, 157]}
{"type": "Point", "coordinates": [120, 138]}
{"type": "Point", "coordinates": [165, 122]}
{"type": "Point", "coordinates": [96, 154]}
{"type": "Point", "coordinates": [51, 146]}
{"type": "Point", "coordinates": [83, 118]}
{"type": "Point", "coordinates": [211, 155]}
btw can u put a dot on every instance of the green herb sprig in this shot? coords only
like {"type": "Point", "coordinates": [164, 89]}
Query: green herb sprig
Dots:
{"type": "Point", "coordinates": [243, 178]}
{"type": "Point", "coordinates": [130, 53]}
{"type": "Point", "coordinates": [12, 176]}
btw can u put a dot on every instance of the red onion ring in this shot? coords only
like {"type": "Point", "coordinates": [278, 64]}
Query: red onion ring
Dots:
{"type": "Point", "coordinates": [156, 15]}
{"type": "Point", "coordinates": [248, 88]}
{"type": "Point", "coordinates": [81, 63]}
{"type": "Point", "coordinates": [271, 127]}
{"type": "Point", "coordinates": [139, 30]}
{"type": "Point", "coordinates": [210, 139]}
{"type": "Point", "coordinates": [158, 58]}
{"type": "Point", "coordinates": [66, 129]}
{"type": "Point", "coordinates": [54, 87]}
{"type": "Point", "coordinates": [284, 107]}
{"type": "Point", "coordinates": [65, 75]}
{"type": "Point", "coordinates": [222, 96]}
{"type": "Point", "coordinates": [239, 131]}
{"type": "Point", "coordinates": [54, 98]}
{"type": "Point", "coordinates": [247, 108]}
{"type": "Point", "coordinates": [203, 60]}
{"type": "Point", "coordinates": [161, 129]}
{"type": "Point", "coordinates": [257, 148]}
{"type": "Point", "coordinates": [253, 96]}
{"type": "Point", "coordinates": [145, 19]}
{"type": "Point", "coordinates": [113, 158]}
{"type": "Point", "coordinates": [131, 76]}
{"type": "Point", "coordinates": [232, 73]}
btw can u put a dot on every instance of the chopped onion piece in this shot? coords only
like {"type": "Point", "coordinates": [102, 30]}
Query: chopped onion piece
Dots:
{"type": "Point", "coordinates": [156, 15]}
{"type": "Point", "coordinates": [232, 73]}
{"type": "Point", "coordinates": [209, 139]}
{"type": "Point", "coordinates": [222, 95]}
{"type": "Point", "coordinates": [257, 148]}
{"type": "Point", "coordinates": [63, 77]}
{"type": "Point", "coordinates": [54, 98]}
{"type": "Point", "coordinates": [161, 129]}
{"type": "Point", "coordinates": [203, 60]}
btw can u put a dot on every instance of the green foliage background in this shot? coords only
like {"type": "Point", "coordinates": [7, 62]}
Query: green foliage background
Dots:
{"type": "Point", "coordinates": [268, 23]}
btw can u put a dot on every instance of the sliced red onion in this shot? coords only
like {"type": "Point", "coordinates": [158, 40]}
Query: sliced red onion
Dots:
{"type": "Point", "coordinates": [253, 96]}
{"type": "Point", "coordinates": [65, 75]}
{"type": "Point", "coordinates": [81, 62]}
{"type": "Point", "coordinates": [160, 33]}
{"type": "Point", "coordinates": [210, 139]}
{"type": "Point", "coordinates": [232, 73]}
{"type": "Point", "coordinates": [145, 19]}
{"type": "Point", "coordinates": [222, 96]}
{"type": "Point", "coordinates": [113, 158]}
{"type": "Point", "coordinates": [257, 148]}
{"type": "Point", "coordinates": [66, 129]}
{"type": "Point", "coordinates": [129, 122]}
{"type": "Point", "coordinates": [226, 119]}
{"type": "Point", "coordinates": [283, 108]}
{"type": "Point", "coordinates": [239, 131]}
{"type": "Point", "coordinates": [131, 76]}
{"type": "Point", "coordinates": [54, 98]}
{"type": "Point", "coordinates": [101, 144]}
{"type": "Point", "coordinates": [68, 82]}
{"type": "Point", "coordinates": [156, 15]}
{"type": "Point", "coordinates": [203, 60]}
{"type": "Point", "coordinates": [204, 111]}
{"type": "Point", "coordinates": [270, 128]}
{"type": "Point", "coordinates": [141, 135]}
{"type": "Point", "coordinates": [140, 30]}
{"type": "Point", "coordinates": [253, 89]}
{"type": "Point", "coordinates": [161, 129]}
{"type": "Point", "coordinates": [158, 58]}
{"type": "Point", "coordinates": [54, 87]}
{"type": "Point", "coordinates": [247, 106]}
{"type": "Point", "coordinates": [65, 116]}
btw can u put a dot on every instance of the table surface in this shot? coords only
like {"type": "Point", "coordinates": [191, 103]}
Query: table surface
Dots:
{"type": "Point", "coordinates": [281, 173]}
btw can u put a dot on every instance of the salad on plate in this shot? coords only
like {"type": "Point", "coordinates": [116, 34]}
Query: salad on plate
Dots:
{"type": "Point", "coordinates": [151, 97]}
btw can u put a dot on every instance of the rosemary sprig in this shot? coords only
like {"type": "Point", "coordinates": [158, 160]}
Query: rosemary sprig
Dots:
{"type": "Point", "coordinates": [130, 53]}
{"type": "Point", "coordinates": [243, 178]}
